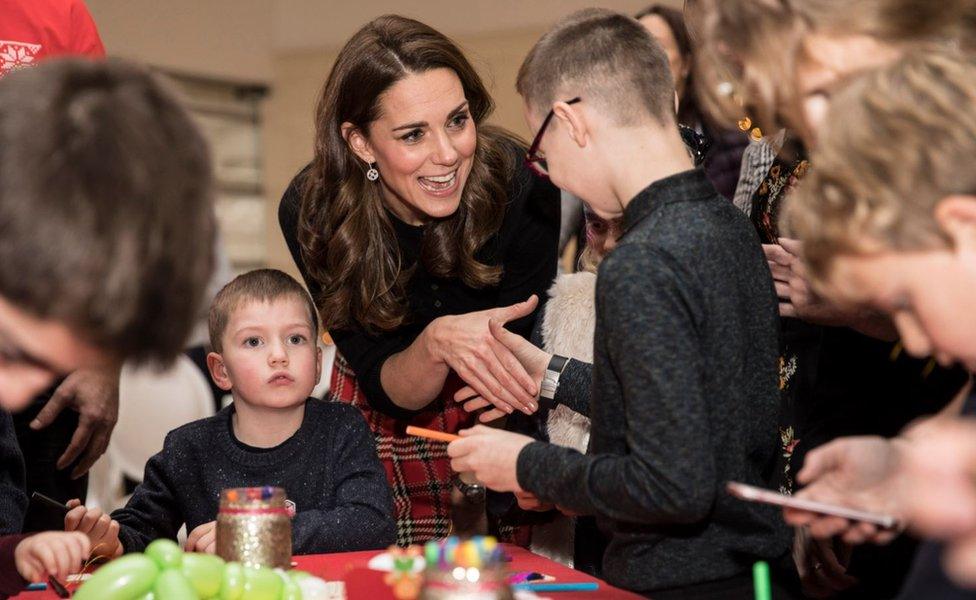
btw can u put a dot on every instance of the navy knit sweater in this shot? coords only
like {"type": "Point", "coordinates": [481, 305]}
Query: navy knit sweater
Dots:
{"type": "Point", "coordinates": [13, 503]}
{"type": "Point", "coordinates": [329, 469]}
{"type": "Point", "coordinates": [13, 500]}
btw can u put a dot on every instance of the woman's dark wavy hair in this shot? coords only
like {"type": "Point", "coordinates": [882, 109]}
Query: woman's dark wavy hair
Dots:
{"type": "Point", "coordinates": [346, 236]}
{"type": "Point", "coordinates": [688, 111]}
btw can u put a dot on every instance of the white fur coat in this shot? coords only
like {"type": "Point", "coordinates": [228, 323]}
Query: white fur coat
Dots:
{"type": "Point", "coordinates": [567, 330]}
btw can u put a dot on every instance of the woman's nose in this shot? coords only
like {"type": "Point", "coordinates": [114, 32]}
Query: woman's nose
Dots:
{"type": "Point", "coordinates": [444, 152]}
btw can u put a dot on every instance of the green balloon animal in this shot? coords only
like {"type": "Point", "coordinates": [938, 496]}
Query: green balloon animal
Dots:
{"type": "Point", "coordinates": [165, 572]}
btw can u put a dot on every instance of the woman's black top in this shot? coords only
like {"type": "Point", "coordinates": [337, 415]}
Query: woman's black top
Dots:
{"type": "Point", "coordinates": [525, 247]}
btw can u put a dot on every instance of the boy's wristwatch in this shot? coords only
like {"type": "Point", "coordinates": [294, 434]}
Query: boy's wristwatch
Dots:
{"type": "Point", "coordinates": [550, 381]}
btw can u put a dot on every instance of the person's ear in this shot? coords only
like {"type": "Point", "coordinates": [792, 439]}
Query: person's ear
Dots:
{"type": "Point", "coordinates": [318, 363]}
{"type": "Point", "coordinates": [358, 142]}
{"type": "Point", "coordinates": [956, 216]}
{"type": "Point", "coordinates": [218, 371]}
{"type": "Point", "coordinates": [572, 118]}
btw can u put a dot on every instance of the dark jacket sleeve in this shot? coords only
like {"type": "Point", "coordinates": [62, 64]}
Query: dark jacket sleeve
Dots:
{"type": "Point", "coordinates": [668, 475]}
{"type": "Point", "coordinates": [724, 160]}
{"type": "Point", "coordinates": [153, 511]}
{"type": "Point", "coordinates": [532, 242]}
{"type": "Point", "coordinates": [362, 516]}
{"type": "Point", "coordinates": [575, 387]}
{"type": "Point", "coordinates": [13, 499]}
{"type": "Point", "coordinates": [11, 583]}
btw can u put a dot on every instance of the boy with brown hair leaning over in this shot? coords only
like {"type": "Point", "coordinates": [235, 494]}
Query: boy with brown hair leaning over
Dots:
{"type": "Point", "coordinates": [684, 394]}
{"type": "Point", "coordinates": [888, 220]}
{"type": "Point", "coordinates": [106, 224]}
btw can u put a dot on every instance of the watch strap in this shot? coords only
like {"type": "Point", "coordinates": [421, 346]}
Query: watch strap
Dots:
{"type": "Point", "coordinates": [550, 380]}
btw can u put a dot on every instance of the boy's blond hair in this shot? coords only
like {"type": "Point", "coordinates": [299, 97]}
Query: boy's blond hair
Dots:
{"type": "Point", "coordinates": [748, 49]}
{"type": "Point", "coordinates": [262, 285]}
{"type": "Point", "coordinates": [895, 143]}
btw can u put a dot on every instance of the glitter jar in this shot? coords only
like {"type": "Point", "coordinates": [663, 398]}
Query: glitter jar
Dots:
{"type": "Point", "coordinates": [254, 527]}
{"type": "Point", "coordinates": [466, 584]}
{"type": "Point", "coordinates": [470, 569]}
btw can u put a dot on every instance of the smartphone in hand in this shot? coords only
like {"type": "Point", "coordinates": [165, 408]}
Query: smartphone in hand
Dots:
{"type": "Point", "coordinates": [751, 493]}
{"type": "Point", "coordinates": [45, 514]}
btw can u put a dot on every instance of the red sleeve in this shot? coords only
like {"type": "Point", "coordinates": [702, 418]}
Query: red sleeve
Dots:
{"type": "Point", "coordinates": [11, 583]}
{"type": "Point", "coordinates": [85, 40]}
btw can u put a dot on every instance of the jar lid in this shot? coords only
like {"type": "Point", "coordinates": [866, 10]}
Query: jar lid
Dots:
{"type": "Point", "coordinates": [249, 498]}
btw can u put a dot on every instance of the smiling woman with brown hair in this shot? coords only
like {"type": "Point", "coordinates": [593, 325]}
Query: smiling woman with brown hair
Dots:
{"type": "Point", "coordinates": [413, 226]}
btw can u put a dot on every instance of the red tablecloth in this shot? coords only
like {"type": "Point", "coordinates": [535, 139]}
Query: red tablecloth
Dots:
{"type": "Point", "coordinates": [361, 583]}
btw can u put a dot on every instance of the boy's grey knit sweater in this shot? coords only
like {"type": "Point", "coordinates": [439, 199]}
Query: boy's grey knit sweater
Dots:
{"type": "Point", "coordinates": [329, 469]}
{"type": "Point", "coordinates": [684, 396]}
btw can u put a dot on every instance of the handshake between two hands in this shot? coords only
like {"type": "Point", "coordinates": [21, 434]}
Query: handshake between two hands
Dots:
{"type": "Point", "coordinates": [492, 454]}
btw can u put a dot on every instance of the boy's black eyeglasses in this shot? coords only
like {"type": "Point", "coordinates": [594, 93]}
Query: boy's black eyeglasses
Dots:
{"type": "Point", "coordinates": [536, 162]}
{"type": "Point", "coordinates": [698, 145]}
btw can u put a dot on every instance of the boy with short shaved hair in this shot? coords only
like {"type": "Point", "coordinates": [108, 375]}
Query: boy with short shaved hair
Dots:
{"type": "Point", "coordinates": [684, 380]}
{"type": "Point", "coordinates": [107, 225]}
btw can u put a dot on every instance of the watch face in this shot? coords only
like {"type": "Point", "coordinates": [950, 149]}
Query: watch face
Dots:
{"type": "Point", "coordinates": [474, 493]}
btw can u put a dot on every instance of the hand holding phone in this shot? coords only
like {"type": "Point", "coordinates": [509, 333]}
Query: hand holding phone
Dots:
{"type": "Point", "coordinates": [45, 514]}
{"type": "Point", "coordinates": [751, 493]}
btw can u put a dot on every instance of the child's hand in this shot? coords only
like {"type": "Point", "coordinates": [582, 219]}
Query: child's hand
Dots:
{"type": "Point", "coordinates": [203, 538]}
{"type": "Point", "coordinates": [51, 554]}
{"type": "Point", "coordinates": [529, 501]}
{"type": "Point", "coordinates": [490, 455]}
{"type": "Point", "coordinates": [102, 530]}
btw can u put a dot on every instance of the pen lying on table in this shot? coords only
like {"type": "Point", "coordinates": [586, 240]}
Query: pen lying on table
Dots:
{"type": "Point", "coordinates": [53, 584]}
{"type": "Point", "coordinates": [589, 586]}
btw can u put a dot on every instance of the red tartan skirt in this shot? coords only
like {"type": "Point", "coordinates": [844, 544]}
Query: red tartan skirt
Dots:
{"type": "Point", "coordinates": [419, 470]}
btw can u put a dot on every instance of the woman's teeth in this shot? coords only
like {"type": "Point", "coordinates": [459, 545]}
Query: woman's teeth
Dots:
{"type": "Point", "coordinates": [440, 183]}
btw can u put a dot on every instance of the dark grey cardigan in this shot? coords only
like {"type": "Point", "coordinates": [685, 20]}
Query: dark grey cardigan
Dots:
{"type": "Point", "coordinates": [685, 398]}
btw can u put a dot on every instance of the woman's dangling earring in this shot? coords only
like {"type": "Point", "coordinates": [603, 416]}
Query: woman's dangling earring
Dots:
{"type": "Point", "coordinates": [372, 174]}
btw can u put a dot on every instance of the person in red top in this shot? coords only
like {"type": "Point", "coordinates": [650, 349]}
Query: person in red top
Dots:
{"type": "Point", "coordinates": [34, 29]}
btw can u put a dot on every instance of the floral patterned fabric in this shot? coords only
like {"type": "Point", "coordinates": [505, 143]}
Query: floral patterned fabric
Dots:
{"type": "Point", "coordinates": [782, 177]}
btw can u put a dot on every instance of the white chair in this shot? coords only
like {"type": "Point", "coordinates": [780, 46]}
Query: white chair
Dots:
{"type": "Point", "coordinates": [328, 357]}
{"type": "Point", "coordinates": [151, 404]}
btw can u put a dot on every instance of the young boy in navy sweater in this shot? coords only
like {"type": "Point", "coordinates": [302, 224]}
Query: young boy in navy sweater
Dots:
{"type": "Point", "coordinates": [263, 330]}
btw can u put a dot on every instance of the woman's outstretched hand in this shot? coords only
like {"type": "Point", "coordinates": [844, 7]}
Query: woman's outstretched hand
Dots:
{"type": "Point", "coordinates": [531, 359]}
{"type": "Point", "coordinates": [466, 344]}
